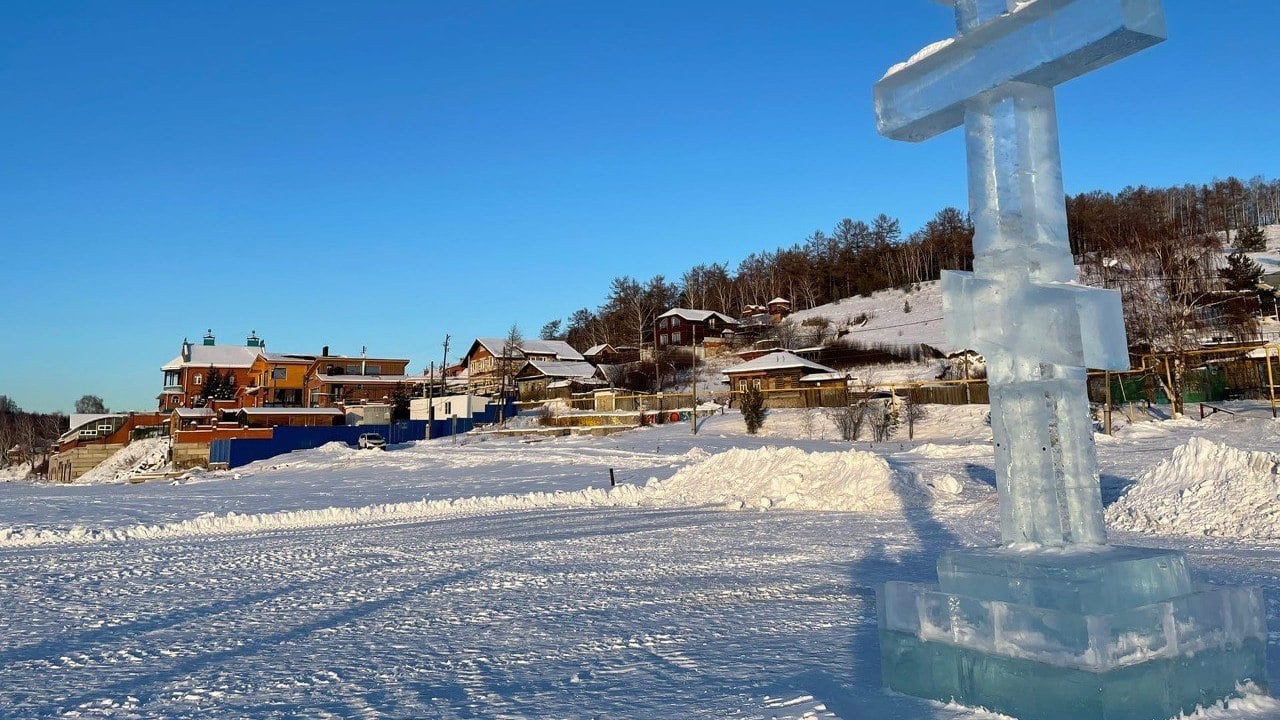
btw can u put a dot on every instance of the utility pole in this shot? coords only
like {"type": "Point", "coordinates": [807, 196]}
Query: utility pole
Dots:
{"type": "Point", "coordinates": [431, 396]}
{"type": "Point", "coordinates": [693, 417]}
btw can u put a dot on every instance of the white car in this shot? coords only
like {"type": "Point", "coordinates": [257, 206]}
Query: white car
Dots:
{"type": "Point", "coordinates": [369, 441]}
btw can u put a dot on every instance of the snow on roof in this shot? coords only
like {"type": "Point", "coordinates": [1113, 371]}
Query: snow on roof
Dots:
{"type": "Point", "coordinates": [559, 349]}
{"type": "Point", "coordinates": [193, 412]}
{"type": "Point", "coordinates": [824, 377]}
{"type": "Point", "coordinates": [564, 369]}
{"type": "Point", "coordinates": [367, 379]}
{"type": "Point", "coordinates": [779, 301]}
{"type": "Point", "coordinates": [778, 360]}
{"type": "Point", "coordinates": [597, 349]}
{"type": "Point", "coordinates": [259, 411]}
{"type": "Point", "coordinates": [79, 420]}
{"type": "Point", "coordinates": [220, 356]}
{"type": "Point", "coordinates": [698, 315]}
{"type": "Point", "coordinates": [580, 381]}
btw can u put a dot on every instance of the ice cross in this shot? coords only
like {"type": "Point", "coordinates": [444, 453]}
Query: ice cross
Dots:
{"type": "Point", "coordinates": [1020, 307]}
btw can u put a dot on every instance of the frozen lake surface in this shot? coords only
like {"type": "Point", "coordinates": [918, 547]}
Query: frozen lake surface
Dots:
{"type": "Point", "coordinates": [549, 598]}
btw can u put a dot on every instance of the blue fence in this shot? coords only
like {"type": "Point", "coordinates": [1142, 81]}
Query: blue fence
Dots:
{"type": "Point", "coordinates": [242, 451]}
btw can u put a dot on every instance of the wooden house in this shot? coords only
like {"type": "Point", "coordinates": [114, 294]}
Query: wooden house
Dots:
{"type": "Point", "coordinates": [488, 360]}
{"type": "Point", "coordinates": [787, 379]}
{"type": "Point", "coordinates": [682, 327]}
{"type": "Point", "coordinates": [547, 379]}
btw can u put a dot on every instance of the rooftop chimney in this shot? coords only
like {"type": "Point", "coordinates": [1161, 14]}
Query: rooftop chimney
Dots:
{"type": "Point", "coordinates": [208, 338]}
{"type": "Point", "coordinates": [324, 351]}
{"type": "Point", "coordinates": [254, 340]}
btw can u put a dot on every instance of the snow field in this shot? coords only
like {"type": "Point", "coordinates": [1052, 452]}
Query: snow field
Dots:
{"type": "Point", "coordinates": [505, 579]}
{"type": "Point", "coordinates": [761, 478]}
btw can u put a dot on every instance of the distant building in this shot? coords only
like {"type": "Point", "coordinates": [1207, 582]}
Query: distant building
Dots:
{"type": "Point", "coordinates": [682, 327]}
{"type": "Point", "coordinates": [779, 370]}
{"type": "Point", "coordinates": [546, 379]}
{"type": "Point", "coordinates": [338, 379]}
{"type": "Point", "coordinates": [485, 360]}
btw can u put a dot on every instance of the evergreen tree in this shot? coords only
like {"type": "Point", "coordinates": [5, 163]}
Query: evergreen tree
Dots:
{"type": "Point", "coordinates": [1241, 272]}
{"type": "Point", "coordinates": [1250, 239]}
{"type": "Point", "coordinates": [551, 331]}
{"type": "Point", "coordinates": [753, 409]}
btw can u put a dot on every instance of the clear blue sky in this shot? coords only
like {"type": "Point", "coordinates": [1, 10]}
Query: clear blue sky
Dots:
{"type": "Point", "coordinates": [379, 174]}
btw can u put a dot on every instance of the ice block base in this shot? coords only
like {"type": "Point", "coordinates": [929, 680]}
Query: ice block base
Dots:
{"type": "Point", "coordinates": [1114, 633]}
{"type": "Point", "coordinates": [1030, 690]}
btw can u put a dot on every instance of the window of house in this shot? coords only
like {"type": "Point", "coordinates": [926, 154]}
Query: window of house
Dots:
{"type": "Point", "coordinates": [353, 369]}
{"type": "Point", "coordinates": [756, 383]}
{"type": "Point", "coordinates": [742, 385]}
{"type": "Point", "coordinates": [372, 369]}
{"type": "Point", "coordinates": [663, 323]}
{"type": "Point", "coordinates": [279, 373]}
{"type": "Point", "coordinates": [106, 429]}
{"type": "Point", "coordinates": [675, 322]}
{"type": "Point", "coordinates": [198, 379]}
{"type": "Point", "coordinates": [663, 339]}
{"type": "Point", "coordinates": [88, 432]}
{"type": "Point", "coordinates": [448, 407]}
{"type": "Point", "coordinates": [675, 337]}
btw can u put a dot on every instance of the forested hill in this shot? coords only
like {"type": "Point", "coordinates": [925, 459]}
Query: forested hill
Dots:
{"type": "Point", "coordinates": [858, 258]}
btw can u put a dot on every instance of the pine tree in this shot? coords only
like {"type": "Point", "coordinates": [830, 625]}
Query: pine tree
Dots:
{"type": "Point", "coordinates": [1241, 272]}
{"type": "Point", "coordinates": [753, 409]}
{"type": "Point", "coordinates": [1250, 239]}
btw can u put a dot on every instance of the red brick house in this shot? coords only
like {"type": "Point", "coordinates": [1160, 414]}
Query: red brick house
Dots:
{"type": "Point", "coordinates": [682, 327]}
{"type": "Point", "coordinates": [186, 376]}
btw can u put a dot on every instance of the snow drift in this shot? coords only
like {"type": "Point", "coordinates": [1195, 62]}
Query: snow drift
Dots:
{"type": "Point", "coordinates": [763, 478]}
{"type": "Point", "coordinates": [1205, 488]}
{"type": "Point", "coordinates": [790, 478]}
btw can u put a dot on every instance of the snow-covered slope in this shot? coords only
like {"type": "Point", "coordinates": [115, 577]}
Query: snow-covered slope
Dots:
{"type": "Point", "coordinates": [137, 457]}
{"type": "Point", "coordinates": [892, 317]}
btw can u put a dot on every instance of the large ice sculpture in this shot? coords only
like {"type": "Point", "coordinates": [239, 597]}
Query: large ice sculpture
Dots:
{"type": "Point", "coordinates": [1055, 623]}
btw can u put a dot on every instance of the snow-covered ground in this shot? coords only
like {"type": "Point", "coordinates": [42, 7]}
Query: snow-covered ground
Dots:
{"type": "Point", "coordinates": [727, 576]}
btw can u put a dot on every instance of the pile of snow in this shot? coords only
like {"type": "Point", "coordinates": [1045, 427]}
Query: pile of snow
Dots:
{"type": "Point", "coordinates": [140, 456]}
{"type": "Point", "coordinates": [790, 478]}
{"type": "Point", "coordinates": [1205, 488]}
{"type": "Point", "coordinates": [935, 451]}
{"type": "Point", "coordinates": [763, 478]}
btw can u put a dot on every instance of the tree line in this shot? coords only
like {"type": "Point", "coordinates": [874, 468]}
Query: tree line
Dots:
{"type": "Point", "coordinates": [27, 438]}
{"type": "Point", "coordinates": [1172, 231]}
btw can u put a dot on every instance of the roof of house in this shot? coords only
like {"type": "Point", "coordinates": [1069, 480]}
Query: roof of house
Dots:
{"type": "Point", "coordinates": [559, 349]}
{"type": "Point", "coordinates": [778, 360]}
{"type": "Point", "coordinates": [289, 358]}
{"type": "Point", "coordinates": [698, 315]}
{"type": "Point", "coordinates": [193, 412]}
{"type": "Point", "coordinates": [557, 369]}
{"type": "Point", "coordinates": [220, 356]}
{"type": "Point", "coordinates": [779, 301]}
{"type": "Point", "coordinates": [367, 379]}
{"type": "Point", "coordinates": [597, 349]}
{"type": "Point", "coordinates": [261, 411]}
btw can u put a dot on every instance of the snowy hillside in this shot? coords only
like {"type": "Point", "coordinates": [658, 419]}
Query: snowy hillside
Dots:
{"type": "Point", "coordinates": [890, 317]}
